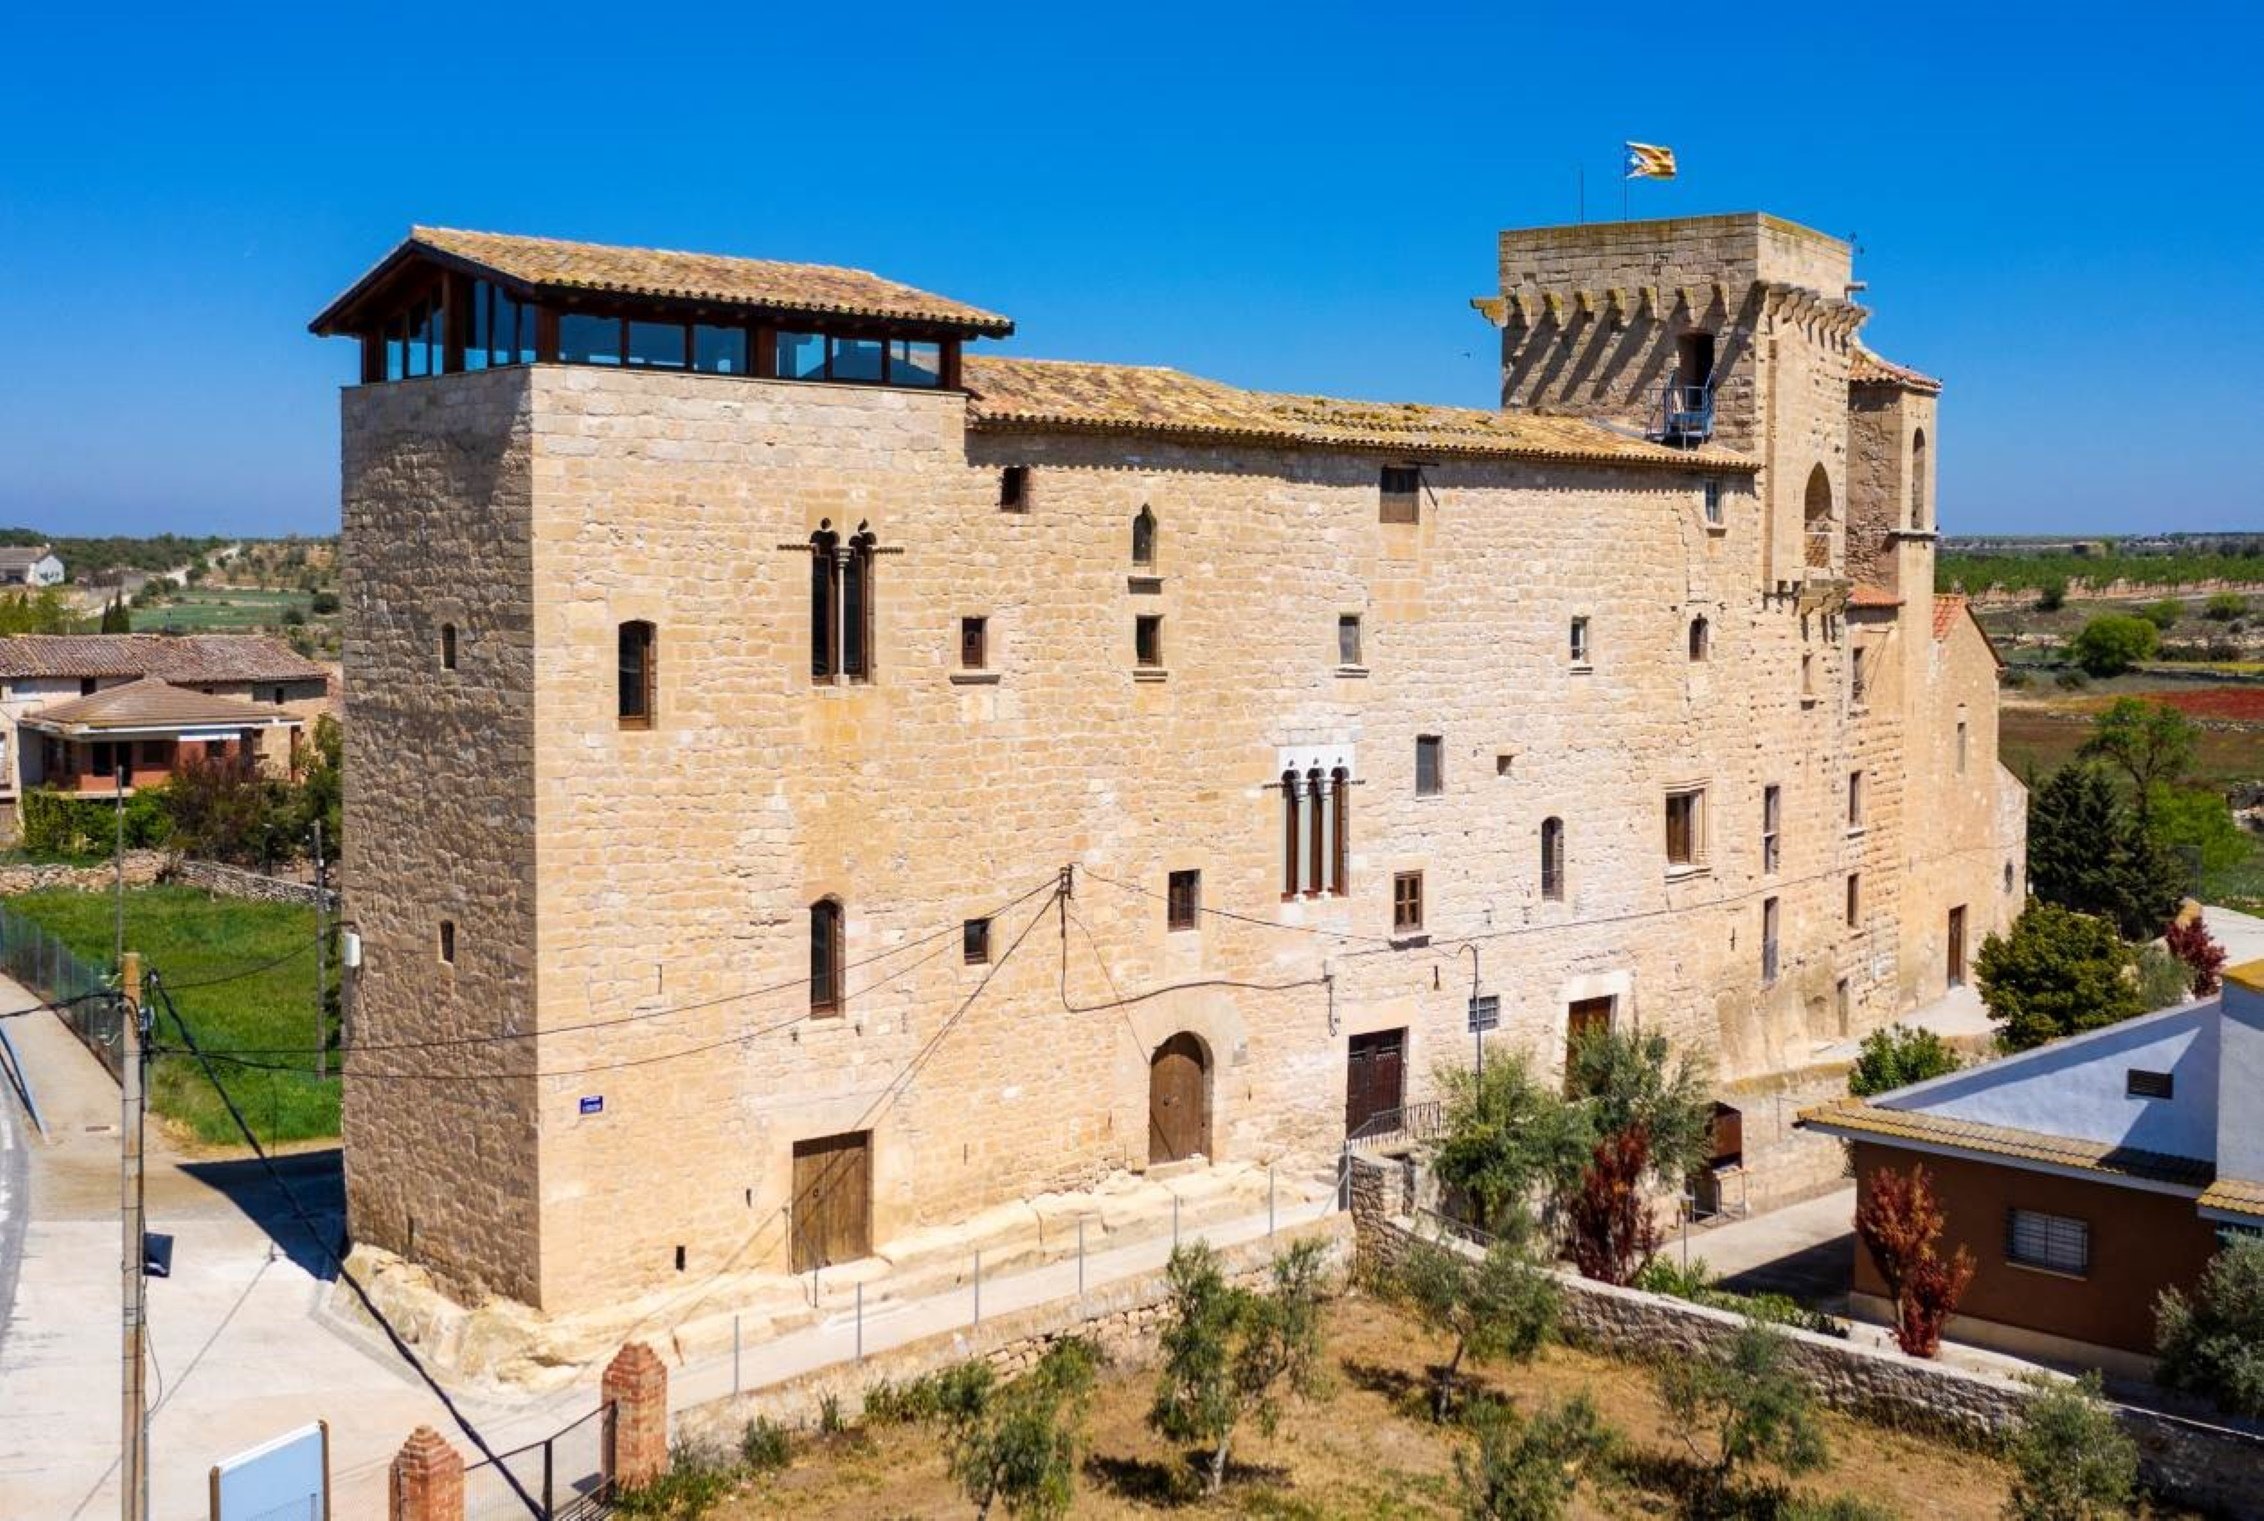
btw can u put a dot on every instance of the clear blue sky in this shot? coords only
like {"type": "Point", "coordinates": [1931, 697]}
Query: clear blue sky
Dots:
{"type": "Point", "coordinates": [2059, 214]}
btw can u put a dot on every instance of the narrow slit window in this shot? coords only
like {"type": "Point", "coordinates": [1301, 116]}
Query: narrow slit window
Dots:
{"type": "Point", "coordinates": [638, 697]}
{"type": "Point", "coordinates": [448, 942]}
{"type": "Point", "coordinates": [974, 640]}
{"type": "Point", "coordinates": [1144, 540]}
{"type": "Point", "coordinates": [1854, 899]}
{"type": "Point", "coordinates": [1014, 489]}
{"type": "Point", "coordinates": [1772, 820]}
{"type": "Point", "coordinates": [1430, 765]}
{"type": "Point", "coordinates": [448, 646]}
{"type": "Point", "coordinates": [825, 957]}
{"type": "Point", "coordinates": [1858, 674]}
{"type": "Point", "coordinates": [1579, 642]}
{"type": "Point", "coordinates": [1183, 900]}
{"type": "Point", "coordinates": [1348, 639]}
{"type": "Point", "coordinates": [1713, 504]}
{"type": "Point", "coordinates": [1147, 641]}
{"type": "Point", "coordinates": [974, 942]}
{"type": "Point", "coordinates": [1701, 639]}
{"type": "Point", "coordinates": [1855, 800]}
{"type": "Point", "coordinates": [1552, 859]}
{"type": "Point", "coordinates": [1768, 941]}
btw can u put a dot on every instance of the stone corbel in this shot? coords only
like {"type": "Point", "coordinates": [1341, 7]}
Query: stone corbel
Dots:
{"type": "Point", "coordinates": [1493, 308]}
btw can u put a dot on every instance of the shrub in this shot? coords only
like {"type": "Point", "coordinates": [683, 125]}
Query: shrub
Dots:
{"type": "Point", "coordinates": [893, 1404]}
{"type": "Point", "coordinates": [1739, 1404]}
{"type": "Point", "coordinates": [2071, 1462]}
{"type": "Point", "coordinates": [324, 603]}
{"type": "Point", "coordinates": [698, 1479]}
{"type": "Point", "coordinates": [2190, 941]}
{"type": "Point", "coordinates": [1231, 1354]}
{"type": "Point", "coordinates": [2052, 595]}
{"type": "Point", "coordinates": [1527, 1470]}
{"type": "Point", "coordinates": [1696, 1284]}
{"type": "Point", "coordinates": [1834, 1508]}
{"type": "Point", "coordinates": [2057, 973]}
{"type": "Point", "coordinates": [2071, 681]}
{"type": "Point", "coordinates": [1900, 1223]}
{"type": "Point", "coordinates": [1500, 1306]}
{"type": "Point", "coordinates": [2164, 615]}
{"type": "Point", "coordinates": [1504, 1137]}
{"type": "Point", "coordinates": [1896, 1057]}
{"type": "Point", "coordinates": [1612, 1233]}
{"type": "Point", "coordinates": [2224, 607]}
{"type": "Point", "coordinates": [2162, 978]}
{"type": "Point", "coordinates": [1626, 1078]}
{"type": "Point", "coordinates": [2213, 1344]}
{"type": "Point", "coordinates": [764, 1447]}
{"type": "Point", "coordinates": [2089, 853]}
{"type": "Point", "coordinates": [2152, 743]}
{"type": "Point", "coordinates": [1016, 1444]}
{"type": "Point", "coordinates": [2112, 643]}
{"type": "Point", "coordinates": [58, 823]}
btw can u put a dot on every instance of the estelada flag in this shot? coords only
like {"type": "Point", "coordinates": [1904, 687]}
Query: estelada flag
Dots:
{"type": "Point", "coordinates": [1648, 161]}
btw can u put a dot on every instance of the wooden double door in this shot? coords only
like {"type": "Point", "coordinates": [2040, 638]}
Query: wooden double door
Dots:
{"type": "Point", "coordinates": [832, 1216]}
{"type": "Point", "coordinates": [1179, 1100]}
{"type": "Point", "coordinates": [1375, 1077]}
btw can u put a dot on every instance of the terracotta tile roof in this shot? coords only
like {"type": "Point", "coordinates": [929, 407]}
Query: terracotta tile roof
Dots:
{"type": "Point", "coordinates": [153, 704]}
{"type": "Point", "coordinates": [1858, 1117]}
{"type": "Point", "coordinates": [181, 658]}
{"type": "Point", "coordinates": [1047, 393]}
{"type": "Point", "coordinates": [1867, 595]}
{"type": "Point", "coordinates": [550, 266]}
{"type": "Point", "coordinates": [1948, 608]}
{"type": "Point", "coordinates": [1865, 368]}
{"type": "Point", "coordinates": [2235, 1196]}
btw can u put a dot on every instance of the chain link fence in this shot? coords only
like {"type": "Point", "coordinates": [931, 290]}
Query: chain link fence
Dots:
{"type": "Point", "coordinates": [86, 993]}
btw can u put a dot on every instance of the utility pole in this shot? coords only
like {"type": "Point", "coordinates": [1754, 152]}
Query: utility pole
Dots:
{"type": "Point", "coordinates": [118, 950]}
{"type": "Point", "coordinates": [133, 1434]}
{"type": "Point", "coordinates": [321, 965]}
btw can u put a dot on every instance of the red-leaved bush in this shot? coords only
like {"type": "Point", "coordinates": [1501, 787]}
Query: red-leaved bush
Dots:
{"type": "Point", "coordinates": [2191, 944]}
{"type": "Point", "coordinates": [1899, 1223]}
{"type": "Point", "coordinates": [1611, 1227]}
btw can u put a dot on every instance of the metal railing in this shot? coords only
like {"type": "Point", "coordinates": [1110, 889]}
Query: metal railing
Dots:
{"type": "Point", "coordinates": [1686, 414]}
{"type": "Point", "coordinates": [1393, 1128]}
{"type": "Point", "coordinates": [86, 992]}
{"type": "Point", "coordinates": [570, 1472]}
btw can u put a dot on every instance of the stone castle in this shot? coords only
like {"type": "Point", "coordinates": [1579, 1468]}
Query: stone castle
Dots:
{"type": "Point", "coordinates": [814, 782]}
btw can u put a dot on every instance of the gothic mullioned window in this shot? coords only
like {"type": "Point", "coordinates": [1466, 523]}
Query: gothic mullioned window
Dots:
{"type": "Point", "coordinates": [841, 604]}
{"type": "Point", "coordinates": [1316, 808]}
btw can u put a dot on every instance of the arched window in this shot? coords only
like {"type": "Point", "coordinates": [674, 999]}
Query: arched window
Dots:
{"type": "Point", "coordinates": [1816, 519]}
{"type": "Point", "coordinates": [1918, 480]}
{"type": "Point", "coordinates": [825, 956]}
{"type": "Point", "coordinates": [841, 604]}
{"type": "Point", "coordinates": [1316, 831]}
{"type": "Point", "coordinates": [640, 695]}
{"type": "Point", "coordinates": [1292, 837]}
{"type": "Point", "coordinates": [1552, 859]}
{"type": "Point", "coordinates": [1701, 638]}
{"type": "Point", "coordinates": [1144, 539]}
{"type": "Point", "coordinates": [1340, 831]}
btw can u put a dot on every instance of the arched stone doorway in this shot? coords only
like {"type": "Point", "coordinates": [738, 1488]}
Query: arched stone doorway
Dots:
{"type": "Point", "coordinates": [1179, 1100]}
{"type": "Point", "coordinates": [1816, 519]}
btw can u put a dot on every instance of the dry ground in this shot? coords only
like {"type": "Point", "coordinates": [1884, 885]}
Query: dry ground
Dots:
{"type": "Point", "coordinates": [1367, 1451]}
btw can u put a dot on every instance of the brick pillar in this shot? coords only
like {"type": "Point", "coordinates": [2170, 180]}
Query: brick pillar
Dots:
{"type": "Point", "coordinates": [426, 1482]}
{"type": "Point", "coordinates": [636, 1386]}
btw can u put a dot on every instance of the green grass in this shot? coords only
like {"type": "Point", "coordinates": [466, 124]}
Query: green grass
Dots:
{"type": "Point", "coordinates": [2239, 887]}
{"type": "Point", "coordinates": [206, 609]}
{"type": "Point", "coordinates": [188, 937]}
{"type": "Point", "coordinates": [2018, 572]}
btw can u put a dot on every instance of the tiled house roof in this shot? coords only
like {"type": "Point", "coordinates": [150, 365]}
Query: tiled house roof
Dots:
{"type": "Point", "coordinates": [190, 658]}
{"type": "Point", "coordinates": [2235, 1196]}
{"type": "Point", "coordinates": [555, 266]}
{"type": "Point", "coordinates": [22, 556]}
{"type": "Point", "coordinates": [1948, 608]}
{"type": "Point", "coordinates": [1856, 1117]}
{"type": "Point", "coordinates": [153, 704]}
{"type": "Point", "coordinates": [1865, 368]}
{"type": "Point", "coordinates": [1116, 398]}
{"type": "Point", "coordinates": [1864, 594]}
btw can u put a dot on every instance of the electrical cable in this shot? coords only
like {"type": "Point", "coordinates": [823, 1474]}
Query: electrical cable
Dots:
{"type": "Point", "coordinates": [322, 1245]}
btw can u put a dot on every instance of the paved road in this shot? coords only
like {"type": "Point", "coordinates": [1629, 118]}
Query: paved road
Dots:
{"type": "Point", "coordinates": [15, 1207]}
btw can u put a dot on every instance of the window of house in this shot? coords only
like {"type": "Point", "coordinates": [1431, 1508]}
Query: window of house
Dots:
{"type": "Point", "coordinates": [2054, 1243]}
{"type": "Point", "coordinates": [1701, 638]}
{"type": "Point", "coordinates": [1316, 831]}
{"type": "Point", "coordinates": [1961, 747]}
{"type": "Point", "coordinates": [1147, 641]}
{"type": "Point", "coordinates": [855, 359]}
{"type": "Point", "coordinates": [658, 345]}
{"type": "Point", "coordinates": [1347, 638]}
{"type": "Point", "coordinates": [448, 942]}
{"type": "Point", "coordinates": [974, 942]}
{"type": "Point", "coordinates": [639, 695]}
{"type": "Point", "coordinates": [87, 685]}
{"type": "Point", "coordinates": [2149, 1085]}
{"type": "Point", "coordinates": [1580, 641]}
{"type": "Point", "coordinates": [1854, 898]}
{"type": "Point", "coordinates": [1144, 540]}
{"type": "Point", "coordinates": [1183, 900]}
{"type": "Point", "coordinates": [800, 356]}
{"type": "Point", "coordinates": [973, 654]}
{"type": "Point", "coordinates": [1686, 827]}
{"type": "Point", "coordinates": [584, 339]}
{"type": "Point", "coordinates": [915, 362]}
{"type": "Point", "coordinates": [1855, 800]}
{"type": "Point", "coordinates": [825, 957]}
{"type": "Point", "coordinates": [1407, 903]}
{"type": "Point", "coordinates": [1858, 674]}
{"type": "Point", "coordinates": [1768, 941]}
{"type": "Point", "coordinates": [1400, 494]}
{"type": "Point", "coordinates": [448, 646]}
{"type": "Point", "coordinates": [1552, 859]}
{"type": "Point", "coordinates": [1014, 489]}
{"type": "Point", "coordinates": [1713, 504]}
{"type": "Point", "coordinates": [719, 350]}
{"type": "Point", "coordinates": [841, 605]}
{"type": "Point", "coordinates": [1430, 765]}
{"type": "Point", "coordinates": [1772, 820]}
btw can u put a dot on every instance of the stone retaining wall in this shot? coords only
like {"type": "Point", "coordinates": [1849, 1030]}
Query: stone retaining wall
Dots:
{"type": "Point", "coordinates": [1122, 1318]}
{"type": "Point", "coordinates": [2211, 1468]}
{"type": "Point", "coordinates": [143, 867]}
{"type": "Point", "coordinates": [234, 882]}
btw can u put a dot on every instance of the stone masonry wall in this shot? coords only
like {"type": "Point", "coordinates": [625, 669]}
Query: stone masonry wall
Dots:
{"type": "Point", "coordinates": [2188, 1462]}
{"type": "Point", "coordinates": [143, 868]}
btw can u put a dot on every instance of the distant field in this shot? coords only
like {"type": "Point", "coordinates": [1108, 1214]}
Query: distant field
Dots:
{"type": "Point", "coordinates": [2028, 572]}
{"type": "Point", "coordinates": [220, 609]}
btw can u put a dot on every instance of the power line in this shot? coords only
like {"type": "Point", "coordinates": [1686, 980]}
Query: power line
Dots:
{"type": "Point", "coordinates": [322, 1245]}
{"type": "Point", "coordinates": [248, 972]}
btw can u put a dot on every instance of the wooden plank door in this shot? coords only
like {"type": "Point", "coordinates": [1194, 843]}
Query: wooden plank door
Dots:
{"type": "Point", "coordinates": [833, 1200]}
{"type": "Point", "coordinates": [1584, 1016]}
{"type": "Point", "coordinates": [1375, 1075]}
{"type": "Point", "coordinates": [1179, 1118]}
{"type": "Point", "coordinates": [1957, 946]}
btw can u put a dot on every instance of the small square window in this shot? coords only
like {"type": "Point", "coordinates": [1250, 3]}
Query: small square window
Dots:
{"type": "Point", "coordinates": [1400, 494]}
{"type": "Point", "coordinates": [448, 942]}
{"type": "Point", "coordinates": [1147, 641]}
{"type": "Point", "coordinates": [1014, 489]}
{"type": "Point", "coordinates": [1184, 900]}
{"type": "Point", "coordinates": [1407, 903]}
{"type": "Point", "coordinates": [1348, 639]}
{"type": "Point", "coordinates": [1430, 763]}
{"type": "Point", "coordinates": [1580, 641]}
{"type": "Point", "coordinates": [974, 942]}
{"type": "Point", "coordinates": [973, 644]}
{"type": "Point", "coordinates": [2054, 1243]}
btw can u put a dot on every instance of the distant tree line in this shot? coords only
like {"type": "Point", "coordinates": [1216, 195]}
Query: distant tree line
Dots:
{"type": "Point", "coordinates": [2034, 572]}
